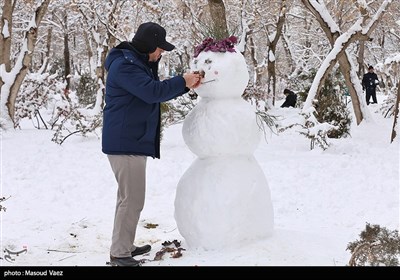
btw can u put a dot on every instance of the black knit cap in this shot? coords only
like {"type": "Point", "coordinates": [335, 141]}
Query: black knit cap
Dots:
{"type": "Point", "coordinates": [149, 36]}
{"type": "Point", "coordinates": [287, 91]}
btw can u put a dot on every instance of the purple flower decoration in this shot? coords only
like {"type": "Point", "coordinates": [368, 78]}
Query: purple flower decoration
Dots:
{"type": "Point", "coordinates": [209, 44]}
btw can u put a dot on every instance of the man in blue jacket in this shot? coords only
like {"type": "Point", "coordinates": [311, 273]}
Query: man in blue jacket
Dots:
{"type": "Point", "coordinates": [131, 127]}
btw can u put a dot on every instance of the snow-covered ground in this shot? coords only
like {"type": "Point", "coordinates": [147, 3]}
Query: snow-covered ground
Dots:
{"type": "Point", "coordinates": [62, 198]}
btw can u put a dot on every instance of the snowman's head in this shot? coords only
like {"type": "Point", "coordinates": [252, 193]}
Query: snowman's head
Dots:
{"type": "Point", "coordinates": [225, 73]}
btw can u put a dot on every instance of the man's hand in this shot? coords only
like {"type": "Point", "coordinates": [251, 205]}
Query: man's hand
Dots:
{"type": "Point", "coordinates": [192, 80]}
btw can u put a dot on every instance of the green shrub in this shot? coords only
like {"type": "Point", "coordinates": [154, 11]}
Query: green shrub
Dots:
{"type": "Point", "coordinates": [377, 246]}
{"type": "Point", "coordinates": [332, 110]}
{"type": "Point", "coordinates": [86, 90]}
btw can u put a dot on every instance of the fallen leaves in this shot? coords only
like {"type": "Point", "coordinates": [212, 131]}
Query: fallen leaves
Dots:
{"type": "Point", "coordinates": [173, 247]}
{"type": "Point", "coordinates": [150, 225]}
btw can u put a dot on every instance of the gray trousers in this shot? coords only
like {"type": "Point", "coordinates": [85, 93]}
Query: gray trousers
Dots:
{"type": "Point", "coordinates": [130, 173]}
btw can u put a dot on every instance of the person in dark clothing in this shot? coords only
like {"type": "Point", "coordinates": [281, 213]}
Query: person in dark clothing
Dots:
{"type": "Point", "coordinates": [369, 82]}
{"type": "Point", "coordinates": [131, 127]}
{"type": "Point", "coordinates": [291, 98]}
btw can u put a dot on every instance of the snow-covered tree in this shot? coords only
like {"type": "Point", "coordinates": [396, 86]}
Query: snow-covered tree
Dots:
{"type": "Point", "coordinates": [340, 40]}
{"type": "Point", "coordinates": [13, 72]}
{"type": "Point", "coordinates": [283, 43]}
{"type": "Point", "coordinates": [395, 130]}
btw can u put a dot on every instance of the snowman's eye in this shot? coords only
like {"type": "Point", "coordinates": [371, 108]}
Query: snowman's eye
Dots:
{"type": "Point", "coordinates": [207, 61]}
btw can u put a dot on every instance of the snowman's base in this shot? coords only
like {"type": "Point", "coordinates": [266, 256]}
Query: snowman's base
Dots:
{"type": "Point", "coordinates": [222, 202]}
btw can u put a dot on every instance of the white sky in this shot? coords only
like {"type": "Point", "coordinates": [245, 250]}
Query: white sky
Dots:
{"type": "Point", "coordinates": [63, 197]}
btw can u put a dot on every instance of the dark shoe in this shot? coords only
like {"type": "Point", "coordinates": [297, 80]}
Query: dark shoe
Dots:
{"type": "Point", "coordinates": [141, 250]}
{"type": "Point", "coordinates": [126, 261]}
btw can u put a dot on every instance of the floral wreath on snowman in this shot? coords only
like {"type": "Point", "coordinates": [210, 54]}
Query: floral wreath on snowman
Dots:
{"type": "Point", "coordinates": [223, 45]}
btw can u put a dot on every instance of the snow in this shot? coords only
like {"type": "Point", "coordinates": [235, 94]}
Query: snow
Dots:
{"type": "Point", "coordinates": [359, 90]}
{"type": "Point", "coordinates": [5, 32]}
{"type": "Point", "coordinates": [236, 133]}
{"type": "Point", "coordinates": [8, 78]}
{"type": "Point", "coordinates": [63, 197]}
{"type": "Point", "coordinates": [332, 56]}
{"type": "Point", "coordinates": [363, 4]}
{"type": "Point", "coordinates": [271, 56]}
{"type": "Point", "coordinates": [393, 59]}
{"type": "Point", "coordinates": [231, 196]}
{"type": "Point", "coordinates": [223, 199]}
{"type": "Point", "coordinates": [242, 40]}
{"type": "Point", "coordinates": [32, 23]}
{"type": "Point", "coordinates": [272, 36]}
{"type": "Point", "coordinates": [324, 13]}
{"type": "Point", "coordinates": [377, 15]}
{"type": "Point", "coordinates": [223, 202]}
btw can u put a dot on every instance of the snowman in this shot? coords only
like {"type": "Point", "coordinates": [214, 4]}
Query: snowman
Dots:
{"type": "Point", "coordinates": [223, 198]}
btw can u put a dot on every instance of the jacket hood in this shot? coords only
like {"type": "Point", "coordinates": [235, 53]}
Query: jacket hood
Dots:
{"type": "Point", "coordinates": [120, 50]}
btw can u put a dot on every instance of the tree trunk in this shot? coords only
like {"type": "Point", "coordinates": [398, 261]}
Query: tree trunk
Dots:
{"type": "Point", "coordinates": [361, 51]}
{"type": "Point", "coordinates": [289, 55]}
{"type": "Point", "coordinates": [271, 82]}
{"type": "Point", "coordinates": [258, 71]}
{"type": "Point", "coordinates": [396, 115]}
{"type": "Point", "coordinates": [346, 69]}
{"type": "Point", "coordinates": [89, 49]}
{"type": "Point", "coordinates": [25, 58]}
{"type": "Point", "coordinates": [100, 74]}
{"type": "Point", "coordinates": [218, 17]}
{"type": "Point", "coordinates": [360, 59]}
{"type": "Point", "coordinates": [5, 41]}
{"type": "Point", "coordinates": [67, 61]}
{"type": "Point", "coordinates": [48, 47]}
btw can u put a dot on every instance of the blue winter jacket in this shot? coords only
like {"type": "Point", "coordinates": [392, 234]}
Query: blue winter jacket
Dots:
{"type": "Point", "coordinates": [131, 116]}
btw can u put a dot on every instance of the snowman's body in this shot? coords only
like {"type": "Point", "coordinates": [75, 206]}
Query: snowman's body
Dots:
{"type": "Point", "coordinates": [223, 198]}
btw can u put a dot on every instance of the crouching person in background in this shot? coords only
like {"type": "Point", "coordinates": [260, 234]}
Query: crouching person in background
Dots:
{"type": "Point", "coordinates": [291, 98]}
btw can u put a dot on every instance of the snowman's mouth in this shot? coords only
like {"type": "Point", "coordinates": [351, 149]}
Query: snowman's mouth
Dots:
{"type": "Point", "coordinates": [203, 74]}
{"type": "Point", "coordinates": [213, 80]}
